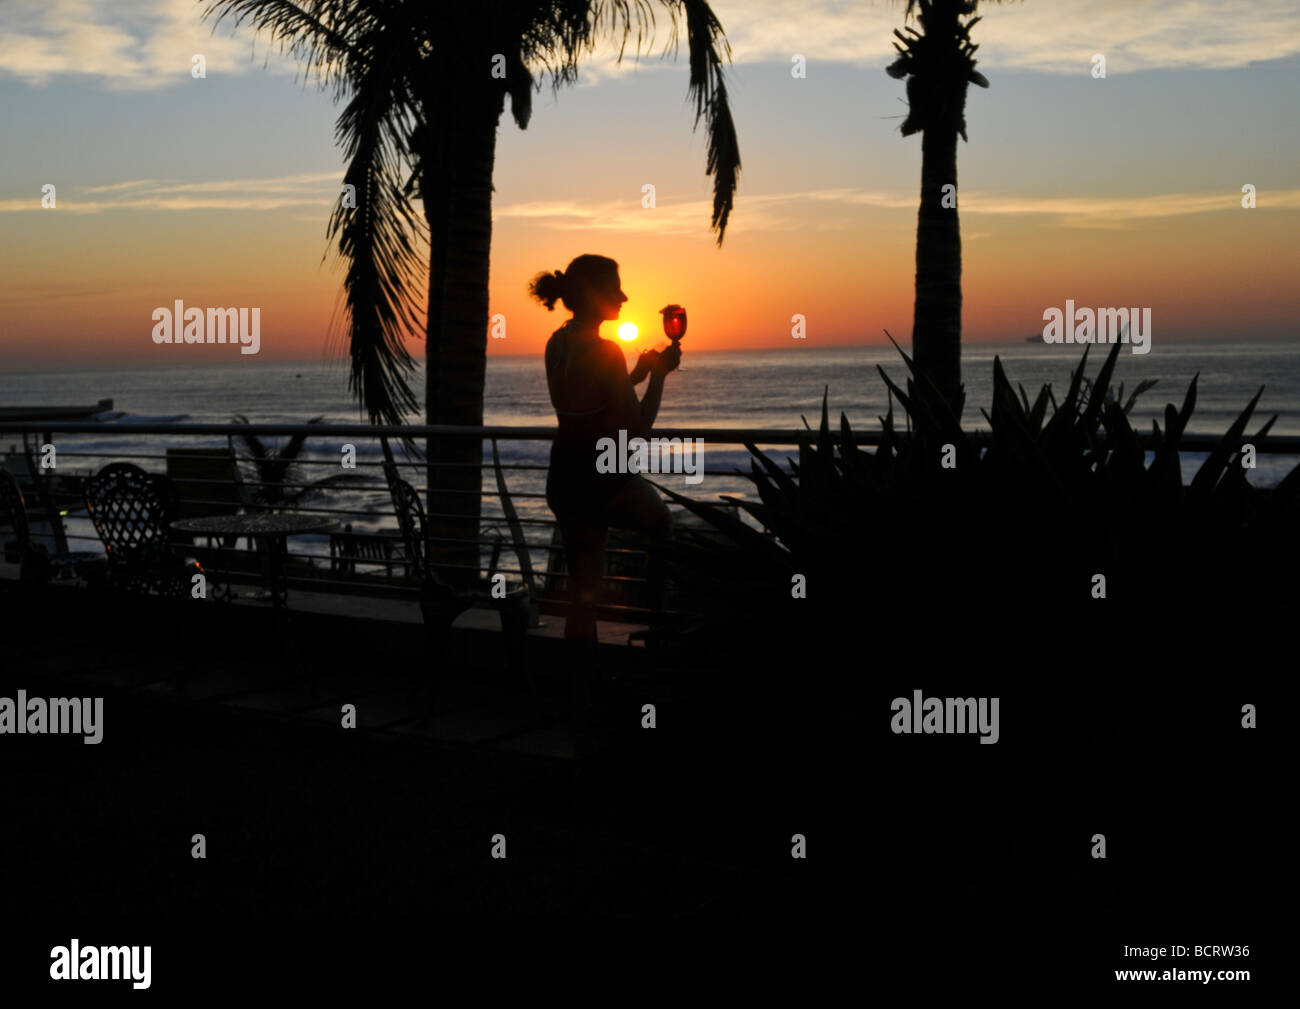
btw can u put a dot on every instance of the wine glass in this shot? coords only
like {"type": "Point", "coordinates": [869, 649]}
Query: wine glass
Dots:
{"type": "Point", "coordinates": [674, 323]}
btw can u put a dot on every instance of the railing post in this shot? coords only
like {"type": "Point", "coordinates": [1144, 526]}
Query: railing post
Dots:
{"type": "Point", "coordinates": [40, 484]}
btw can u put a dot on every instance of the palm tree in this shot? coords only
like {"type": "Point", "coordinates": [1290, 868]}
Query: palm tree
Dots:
{"type": "Point", "coordinates": [425, 86]}
{"type": "Point", "coordinates": [939, 63]}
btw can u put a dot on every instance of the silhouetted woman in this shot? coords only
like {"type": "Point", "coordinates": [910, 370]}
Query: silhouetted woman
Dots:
{"type": "Point", "coordinates": [595, 397]}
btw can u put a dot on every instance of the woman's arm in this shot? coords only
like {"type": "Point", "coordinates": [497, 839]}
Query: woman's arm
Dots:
{"type": "Point", "coordinates": [638, 417]}
{"type": "Point", "coordinates": [626, 411]}
{"type": "Point", "coordinates": [665, 361]}
{"type": "Point", "coordinates": [644, 364]}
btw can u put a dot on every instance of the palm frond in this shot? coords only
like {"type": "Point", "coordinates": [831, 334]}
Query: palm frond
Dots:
{"type": "Point", "coordinates": [364, 47]}
{"type": "Point", "coordinates": [315, 32]}
{"type": "Point", "coordinates": [377, 239]}
{"type": "Point", "coordinates": [294, 446]}
{"type": "Point", "coordinates": [250, 441]}
{"type": "Point", "coordinates": [609, 17]}
{"type": "Point", "coordinates": [704, 36]}
{"type": "Point", "coordinates": [707, 48]}
{"type": "Point", "coordinates": [567, 29]}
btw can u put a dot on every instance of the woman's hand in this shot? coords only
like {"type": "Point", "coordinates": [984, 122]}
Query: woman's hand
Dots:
{"type": "Point", "coordinates": [666, 360]}
{"type": "Point", "coordinates": [644, 364]}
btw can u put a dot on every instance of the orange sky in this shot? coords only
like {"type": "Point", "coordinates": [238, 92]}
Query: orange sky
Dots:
{"type": "Point", "coordinates": [1117, 192]}
{"type": "Point", "coordinates": [85, 285]}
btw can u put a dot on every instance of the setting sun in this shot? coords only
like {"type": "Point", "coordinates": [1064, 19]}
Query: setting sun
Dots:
{"type": "Point", "coordinates": [627, 331]}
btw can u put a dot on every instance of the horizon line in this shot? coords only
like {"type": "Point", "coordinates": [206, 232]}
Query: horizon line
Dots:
{"type": "Point", "coordinates": [160, 362]}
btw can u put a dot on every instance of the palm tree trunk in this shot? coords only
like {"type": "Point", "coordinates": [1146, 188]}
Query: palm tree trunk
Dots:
{"type": "Point", "coordinates": [936, 324]}
{"type": "Point", "coordinates": [458, 207]}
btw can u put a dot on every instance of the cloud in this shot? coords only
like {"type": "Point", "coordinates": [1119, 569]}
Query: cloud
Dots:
{"type": "Point", "coordinates": [1119, 212]}
{"type": "Point", "coordinates": [669, 217]}
{"type": "Point", "coordinates": [148, 43]}
{"type": "Point", "coordinates": [1052, 36]}
{"type": "Point", "coordinates": [51, 291]}
{"type": "Point", "coordinates": [824, 209]}
{"type": "Point", "coordinates": [1048, 36]}
{"type": "Point", "coordinates": [314, 189]}
{"type": "Point", "coordinates": [142, 45]}
{"type": "Point", "coordinates": [798, 210]}
{"type": "Point", "coordinates": [118, 186]}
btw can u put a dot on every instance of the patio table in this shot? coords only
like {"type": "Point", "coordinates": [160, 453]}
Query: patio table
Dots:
{"type": "Point", "coordinates": [272, 530]}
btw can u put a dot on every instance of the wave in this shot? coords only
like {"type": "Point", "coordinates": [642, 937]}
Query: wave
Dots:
{"type": "Point", "coordinates": [148, 418]}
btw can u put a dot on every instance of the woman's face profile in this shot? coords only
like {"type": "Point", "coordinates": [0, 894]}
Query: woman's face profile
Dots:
{"type": "Point", "coordinates": [607, 300]}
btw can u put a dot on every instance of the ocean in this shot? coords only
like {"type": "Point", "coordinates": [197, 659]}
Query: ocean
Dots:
{"type": "Point", "coordinates": [753, 389]}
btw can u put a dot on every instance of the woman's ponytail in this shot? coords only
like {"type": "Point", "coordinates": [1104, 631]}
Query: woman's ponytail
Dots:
{"type": "Point", "coordinates": [548, 288]}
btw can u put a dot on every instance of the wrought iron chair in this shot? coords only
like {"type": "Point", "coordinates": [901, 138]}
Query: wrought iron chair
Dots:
{"type": "Point", "coordinates": [37, 564]}
{"type": "Point", "coordinates": [131, 510]}
{"type": "Point", "coordinates": [440, 604]}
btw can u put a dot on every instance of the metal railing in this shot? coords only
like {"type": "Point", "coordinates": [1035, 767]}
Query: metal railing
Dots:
{"type": "Point", "coordinates": [364, 554]}
{"type": "Point", "coordinates": [1190, 442]}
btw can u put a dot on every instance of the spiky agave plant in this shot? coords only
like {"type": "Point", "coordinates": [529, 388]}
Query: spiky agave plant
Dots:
{"type": "Point", "coordinates": [1054, 493]}
{"type": "Point", "coordinates": [275, 467]}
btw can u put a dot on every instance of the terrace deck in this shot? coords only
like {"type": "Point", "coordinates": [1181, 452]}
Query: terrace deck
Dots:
{"type": "Point", "coordinates": [483, 703]}
{"type": "Point", "coordinates": [209, 729]}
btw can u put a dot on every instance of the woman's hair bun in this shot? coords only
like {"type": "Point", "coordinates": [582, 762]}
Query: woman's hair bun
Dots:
{"type": "Point", "coordinates": [548, 288]}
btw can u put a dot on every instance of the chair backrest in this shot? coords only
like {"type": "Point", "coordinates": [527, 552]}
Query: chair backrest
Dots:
{"type": "Point", "coordinates": [13, 510]}
{"type": "Point", "coordinates": [205, 481]}
{"type": "Point", "coordinates": [411, 522]}
{"type": "Point", "coordinates": [131, 510]}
